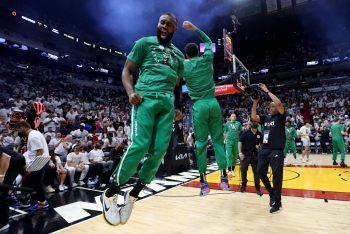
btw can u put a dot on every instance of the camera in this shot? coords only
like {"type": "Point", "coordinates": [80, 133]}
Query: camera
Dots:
{"type": "Point", "coordinates": [252, 90]}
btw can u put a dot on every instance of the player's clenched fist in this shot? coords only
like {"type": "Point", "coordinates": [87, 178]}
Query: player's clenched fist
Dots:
{"type": "Point", "coordinates": [135, 98]}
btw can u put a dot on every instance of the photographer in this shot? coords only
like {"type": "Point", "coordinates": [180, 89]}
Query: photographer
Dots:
{"type": "Point", "coordinates": [272, 148]}
{"type": "Point", "coordinates": [248, 145]}
{"type": "Point", "coordinates": [11, 164]}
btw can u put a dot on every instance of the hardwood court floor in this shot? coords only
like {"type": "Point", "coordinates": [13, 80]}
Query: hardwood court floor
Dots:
{"type": "Point", "coordinates": [180, 210]}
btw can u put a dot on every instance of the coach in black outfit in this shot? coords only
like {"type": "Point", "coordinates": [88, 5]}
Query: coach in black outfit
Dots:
{"type": "Point", "coordinates": [272, 148]}
{"type": "Point", "coordinates": [248, 146]}
{"type": "Point", "coordinates": [11, 164]}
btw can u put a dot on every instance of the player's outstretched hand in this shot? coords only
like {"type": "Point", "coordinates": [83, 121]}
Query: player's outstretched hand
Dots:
{"type": "Point", "coordinates": [188, 25]}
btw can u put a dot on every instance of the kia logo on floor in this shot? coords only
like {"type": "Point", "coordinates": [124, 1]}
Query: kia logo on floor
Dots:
{"type": "Point", "coordinates": [181, 156]}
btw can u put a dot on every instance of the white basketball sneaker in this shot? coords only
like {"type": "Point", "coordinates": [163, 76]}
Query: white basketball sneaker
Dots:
{"type": "Point", "coordinates": [110, 209]}
{"type": "Point", "coordinates": [126, 209]}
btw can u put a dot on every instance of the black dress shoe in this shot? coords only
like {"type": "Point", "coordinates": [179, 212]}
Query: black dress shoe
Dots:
{"type": "Point", "coordinates": [259, 192]}
{"type": "Point", "coordinates": [243, 189]}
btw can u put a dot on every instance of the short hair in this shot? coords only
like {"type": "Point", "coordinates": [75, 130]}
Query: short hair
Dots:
{"type": "Point", "coordinates": [22, 125]}
{"type": "Point", "coordinates": [172, 15]}
{"type": "Point", "coordinates": [191, 50]}
{"type": "Point", "coordinates": [336, 119]}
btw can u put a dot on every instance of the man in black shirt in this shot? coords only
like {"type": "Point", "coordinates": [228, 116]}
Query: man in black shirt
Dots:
{"type": "Point", "coordinates": [248, 145]}
{"type": "Point", "coordinates": [274, 138]}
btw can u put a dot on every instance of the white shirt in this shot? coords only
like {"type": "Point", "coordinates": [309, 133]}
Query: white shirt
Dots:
{"type": "Point", "coordinates": [110, 144]}
{"type": "Point", "coordinates": [36, 141]}
{"type": "Point", "coordinates": [305, 132]}
{"type": "Point", "coordinates": [80, 134]}
{"type": "Point", "coordinates": [111, 129]}
{"type": "Point", "coordinates": [75, 158]}
{"type": "Point", "coordinates": [96, 155]}
{"type": "Point", "coordinates": [85, 158]}
{"type": "Point", "coordinates": [48, 122]}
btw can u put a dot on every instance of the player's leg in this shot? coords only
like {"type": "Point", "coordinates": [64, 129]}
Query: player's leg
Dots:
{"type": "Point", "coordinates": [142, 122]}
{"type": "Point", "coordinates": [335, 152]}
{"type": "Point", "coordinates": [200, 121]}
{"type": "Point", "coordinates": [216, 132]}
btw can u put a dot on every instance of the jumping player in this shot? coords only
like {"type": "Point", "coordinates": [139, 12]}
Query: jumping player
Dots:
{"type": "Point", "coordinates": [152, 99]}
{"type": "Point", "coordinates": [207, 117]}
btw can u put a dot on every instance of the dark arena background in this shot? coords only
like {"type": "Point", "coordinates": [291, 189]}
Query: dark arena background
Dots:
{"type": "Point", "coordinates": [61, 66]}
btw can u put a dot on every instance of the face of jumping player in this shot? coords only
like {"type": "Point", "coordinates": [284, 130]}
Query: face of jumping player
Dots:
{"type": "Point", "coordinates": [273, 109]}
{"type": "Point", "coordinates": [233, 117]}
{"type": "Point", "coordinates": [166, 29]}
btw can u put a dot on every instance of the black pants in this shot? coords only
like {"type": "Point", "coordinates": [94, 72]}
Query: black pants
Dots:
{"type": "Point", "coordinates": [15, 168]}
{"type": "Point", "coordinates": [323, 146]}
{"type": "Point", "coordinates": [253, 161]}
{"type": "Point", "coordinates": [275, 159]}
{"type": "Point", "coordinates": [95, 169]}
{"type": "Point", "coordinates": [50, 174]}
{"type": "Point", "coordinates": [35, 180]}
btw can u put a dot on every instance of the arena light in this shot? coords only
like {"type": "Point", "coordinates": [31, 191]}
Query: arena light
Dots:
{"type": "Point", "coordinates": [14, 13]}
{"type": "Point", "coordinates": [28, 19]}
{"type": "Point", "coordinates": [103, 48]}
{"type": "Point", "coordinates": [52, 56]}
{"type": "Point", "coordinates": [77, 39]}
{"type": "Point", "coordinates": [68, 36]}
{"type": "Point", "coordinates": [117, 52]}
{"type": "Point", "coordinates": [55, 31]}
{"type": "Point", "coordinates": [264, 71]}
{"type": "Point", "coordinates": [3, 41]}
{"type": "Point", "coordinates": [102, 70]}
{"type": "Point", "coordinates": [79, 65]}
{"type": "Point", "coordinates": [312, 63]}
{"type": "Point", "coordinates": [23, 47]}
{"type": "Point", "coordinates": [87, 44]}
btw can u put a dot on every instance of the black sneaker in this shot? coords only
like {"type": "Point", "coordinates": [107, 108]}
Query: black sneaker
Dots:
{"type": "Point", "coordinates": [342, 164]}
{"type": "Point", "coordinates": [259, 192]}
{"type": "Point", "coordinates": [335, 163]}
{"type": "Point", "coordinates": [243, 189]}
{"type": "Point", "coordinates": [276, 209]}
{"type": "Point", "coordinates": [272, 200]}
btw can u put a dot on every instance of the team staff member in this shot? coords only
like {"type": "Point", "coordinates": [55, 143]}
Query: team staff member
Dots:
{"type": "Point", "coordinates": [232, 130]}
{"type": "Point", "coordinates": [152, 98]}
{"type": "Point", "coordinates": [36, 147]}
{"type": "Point", "coordinates": [11, 164]}
{"type": "Point", "coordinates": [248, 146]}
{"type": "Point", "coordinates": [337, 133]}
{"type": "Point", "coordinates": [207, 117]}
{"type": "Point", "coordinates": [274, 138]}
{"type": "Point", "coordinates": [291, 134]}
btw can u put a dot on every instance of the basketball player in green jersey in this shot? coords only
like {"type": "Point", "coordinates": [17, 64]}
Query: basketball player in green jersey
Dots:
{"type": "Point", "coordinates": [291, 134]}
{"type": "Point", "coordinates": [337, 133]}
{"type": "Point", "coordinates": [207, 117]}
{"type": "Point", "coordinates": [152, 98]}
{"type": "Point", "coordinates": [232, 130]}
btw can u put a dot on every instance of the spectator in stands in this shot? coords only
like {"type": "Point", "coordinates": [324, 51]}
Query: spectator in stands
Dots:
{"type": "Point", "coordinates": [55, 170]}
{"type": "Point", "coordinates": [75, 163]}
{"type": "Point", "coordinates": [80, 133]}
{"type": "Point", "coordinates": [50, 122]}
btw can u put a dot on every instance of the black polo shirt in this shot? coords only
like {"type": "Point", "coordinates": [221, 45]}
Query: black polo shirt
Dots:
{"type": "Point", "coordinates": [250, 141]}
